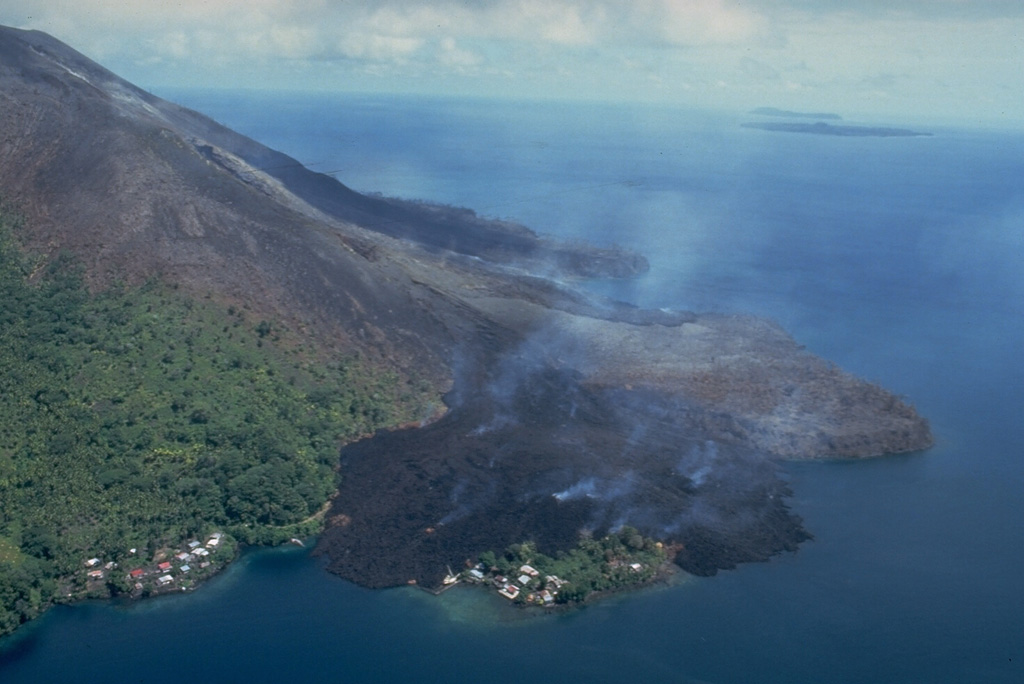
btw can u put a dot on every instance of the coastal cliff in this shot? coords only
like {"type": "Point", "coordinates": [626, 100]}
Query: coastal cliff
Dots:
{"type": "Point", "coordinates": [546, 388]}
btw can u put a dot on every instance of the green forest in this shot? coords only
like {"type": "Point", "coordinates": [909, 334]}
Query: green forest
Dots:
{"type": "Point", "coordinates": [138, 416]}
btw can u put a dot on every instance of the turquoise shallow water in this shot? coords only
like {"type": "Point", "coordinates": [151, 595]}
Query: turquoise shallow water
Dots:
{"type": "Point", "coordinates": [897, 258]}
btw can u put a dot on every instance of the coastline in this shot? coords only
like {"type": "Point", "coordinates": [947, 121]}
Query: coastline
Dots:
{"type": "Point", "coordinates": [667, 575]}
{"type": "Point", "coordinates": [169, 569]}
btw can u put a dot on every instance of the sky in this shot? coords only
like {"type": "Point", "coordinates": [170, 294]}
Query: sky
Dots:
{"type": "Point", "coordinates": [959, 60]}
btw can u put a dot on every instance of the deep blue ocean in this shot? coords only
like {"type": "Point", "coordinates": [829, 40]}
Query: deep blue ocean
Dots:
{"type": "Point", "coordinates": [898, 258]}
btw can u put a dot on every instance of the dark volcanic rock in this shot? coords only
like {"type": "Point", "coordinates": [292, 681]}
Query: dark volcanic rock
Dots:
{"type": "Point", "coordinates": [539, 456]}
{"type": "Point", "coordinates": [569, 413]}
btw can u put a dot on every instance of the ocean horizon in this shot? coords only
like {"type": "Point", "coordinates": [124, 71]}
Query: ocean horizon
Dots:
{"type": "Point", "coordinates": [899, 259]}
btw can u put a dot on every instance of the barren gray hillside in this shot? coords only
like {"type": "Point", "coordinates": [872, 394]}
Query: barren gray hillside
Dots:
{"type": "Point", "coordinates": [137, 186]}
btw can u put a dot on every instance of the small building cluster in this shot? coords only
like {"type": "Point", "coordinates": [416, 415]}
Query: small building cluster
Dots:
{"type": "Point", "coordinates": [528, 584]}
{"type": "Point", "coordinates": [93, 570]}
{"type": "Point", "coordinates": [162, 573]}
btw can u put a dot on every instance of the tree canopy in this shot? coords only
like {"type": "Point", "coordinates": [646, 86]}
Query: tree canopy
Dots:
{"type": "Point", "coordinates": [140, 415]}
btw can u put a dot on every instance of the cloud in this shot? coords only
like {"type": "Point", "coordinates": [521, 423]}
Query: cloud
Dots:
{"type": "Point", "coordinates": [560, 45]}
{"type": "Point", "coordinates": [758, 70]}
{"type": "Point", "coordinates": [175, 44]}
{"type": "Point", "coordinates": [703, 22]}
{"type": "Point", "coordinates": [735, 53]}
{"type": "Point", "coordinates": [292, 29]}
{"type": "Point", "coordinates": [376, 47]}
{"type": "Point", "coordinates": [453, 56]}
{"type": "Point", "coordinates": [970, 10]}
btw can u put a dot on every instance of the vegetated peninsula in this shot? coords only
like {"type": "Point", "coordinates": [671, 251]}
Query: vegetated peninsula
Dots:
{"type": "Point", "coordinates": [195, 324]}
{"type": "Point", "coordinates": [822, 128]}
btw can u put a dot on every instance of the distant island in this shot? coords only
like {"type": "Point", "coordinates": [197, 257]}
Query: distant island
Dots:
{"type": "Point", "coordinates": [822, 128]}
{"type": "Point", "coordinates": [772, 111]}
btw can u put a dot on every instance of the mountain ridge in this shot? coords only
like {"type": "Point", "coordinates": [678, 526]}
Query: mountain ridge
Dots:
{"type": "Point", "coordinates": [154, 188]}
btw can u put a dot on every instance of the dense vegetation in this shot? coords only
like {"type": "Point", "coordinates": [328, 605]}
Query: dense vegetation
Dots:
{"type": "Point", "coordinates": [138, 417]}
{"type": "Point", "coordinates": [616, 561]}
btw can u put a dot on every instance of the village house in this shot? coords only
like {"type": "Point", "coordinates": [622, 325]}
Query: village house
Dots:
{"type": "Point", "coordinates": [554, 581]}
{"type": "Point", "coordinates": [509, 591]}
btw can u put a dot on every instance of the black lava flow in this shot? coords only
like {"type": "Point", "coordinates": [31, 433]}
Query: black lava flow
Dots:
{"type": "Point", "coordinates": [531, 452]}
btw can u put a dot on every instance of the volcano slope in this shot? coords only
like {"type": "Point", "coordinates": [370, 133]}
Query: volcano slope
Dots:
{"type": "Point", "coordinates": [567, 413]}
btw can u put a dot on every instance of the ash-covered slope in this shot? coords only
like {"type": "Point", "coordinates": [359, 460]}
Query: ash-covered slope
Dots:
{"type": "Point", "coordinates": [137, 186]}
{"type": "Point", "coordinates": [552, 390]}
{"type": "Point", "coordinates": [133, 186]}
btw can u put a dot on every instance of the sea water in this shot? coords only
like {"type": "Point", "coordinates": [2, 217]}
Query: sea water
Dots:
{"type": "Point", "coordinates": [897, 258]}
